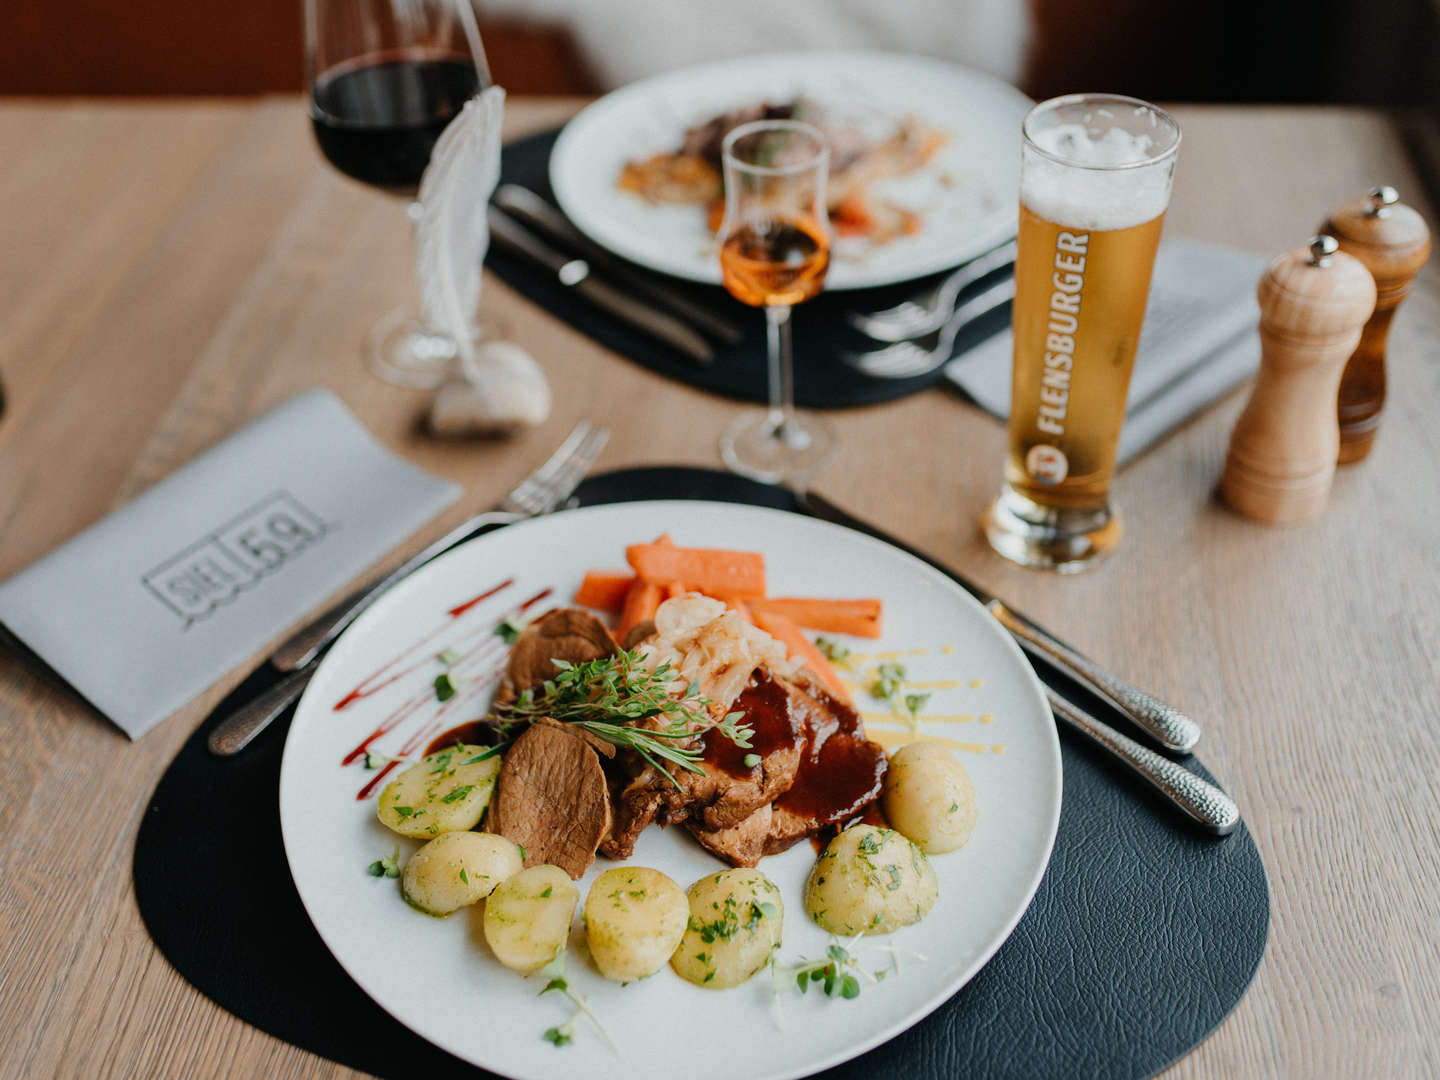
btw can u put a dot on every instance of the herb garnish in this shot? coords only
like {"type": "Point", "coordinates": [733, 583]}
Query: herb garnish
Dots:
{"type": "Point", "coordinates": [509, 630]}
{"type": "Point", "coordinates": [832, 650]}
{"type": "Point", "coordinates": [444, 687]}
{"type": "Point", "coordinates": [458, 794]}
{"type": "Point", "coordinates": [387, 866]}
{"type": "Point", "coordinates": [609, 696]}
{"type": "Point", "coordinates": [836, 974]}
{"type": "Point", "coordinates": [563, 1034]}
{"type": "Point", "coordinates": [886, 680]}
{"type": "Point", "coordinates": [751, 760]}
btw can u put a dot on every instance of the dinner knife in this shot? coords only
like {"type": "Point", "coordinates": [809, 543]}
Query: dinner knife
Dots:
{"type": "Point", "coordinates": [1167, 725]}
{"type": "Point", "coordinates": [522, 203]}
{"type": "Point", "coordinates": [575, 274]}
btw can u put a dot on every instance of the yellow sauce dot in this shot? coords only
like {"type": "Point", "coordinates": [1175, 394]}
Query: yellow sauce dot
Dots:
{"type": "Point", "coordinates": [998, 748]}
{"type": "Point", "coordinates": [987, 718]}
{"type": "Point", "coordinates": [948, 650]}
{"type": "Point", "coordinates": [975, 684]}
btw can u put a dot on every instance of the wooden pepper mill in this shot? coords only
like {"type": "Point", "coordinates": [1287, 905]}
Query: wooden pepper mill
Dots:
{"type": "Point", "coordinates": [1313, 302]}
{"type": "Point", "coordinates": [1392, 241]}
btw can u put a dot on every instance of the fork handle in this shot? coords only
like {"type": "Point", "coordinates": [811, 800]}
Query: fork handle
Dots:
{"type": "Point", "coordinates": [1165, 723]}
{"type": "Point", "coordinates": [1201, 801]}
{"type": "Point", "coordinates": [312, 639]}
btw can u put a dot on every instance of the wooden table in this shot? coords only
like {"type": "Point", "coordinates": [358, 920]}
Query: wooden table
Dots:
{"type": "Point", "coordinates": [168, 270]}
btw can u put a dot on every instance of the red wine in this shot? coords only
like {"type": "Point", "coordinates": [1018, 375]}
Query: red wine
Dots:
{"type": "Point", "coordinates": [376, 118]}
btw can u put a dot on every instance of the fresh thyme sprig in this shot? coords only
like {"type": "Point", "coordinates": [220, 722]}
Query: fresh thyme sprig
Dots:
{"type": "Point", "coordinates": [609, 696]}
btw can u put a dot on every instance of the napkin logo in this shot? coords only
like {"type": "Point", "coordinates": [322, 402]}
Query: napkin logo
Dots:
{"type": "Point", "coordinates": [219, 566]}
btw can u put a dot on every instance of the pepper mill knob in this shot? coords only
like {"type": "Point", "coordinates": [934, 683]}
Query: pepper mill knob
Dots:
{"type": "Point", "coordinates": [1392, 241]}
{"type": "Point", "coordinates": [1313, 302]}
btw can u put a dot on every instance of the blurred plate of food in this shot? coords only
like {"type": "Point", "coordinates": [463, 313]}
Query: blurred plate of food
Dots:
{"type": "Point", "coordinates": [924, 160]}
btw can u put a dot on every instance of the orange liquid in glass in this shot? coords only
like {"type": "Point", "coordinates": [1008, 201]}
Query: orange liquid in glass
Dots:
{"type": "Point", "coordinates": [779, 262]}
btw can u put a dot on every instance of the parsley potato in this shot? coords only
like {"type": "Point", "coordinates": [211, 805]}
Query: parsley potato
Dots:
{"type": "Point", "coordinates": [869, 880]}
{"type": "Point", "coordinates": [440, 794]}
{"type": "Point", "coordinates": [457, 869]}
{"type": "Point", "coordinates": [527, 917]}
{"type": "Point", "coordinates": [929, 797]}
{"type": "Point", "coordinates": [736, 917]}
{"type": "Point", "coordinates": [634, 919]}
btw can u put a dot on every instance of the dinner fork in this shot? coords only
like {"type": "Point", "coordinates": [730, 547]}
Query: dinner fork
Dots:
{"type": "Point", "coordinates": [929, 312]}
{"type": "Point", "coordinates": [910, 359]}
{"type": "Point", "coordinates": [544, 490]}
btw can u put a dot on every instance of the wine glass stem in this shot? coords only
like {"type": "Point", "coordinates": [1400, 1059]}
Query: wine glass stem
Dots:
{"type": "Point", "coordinates": [782, 370]}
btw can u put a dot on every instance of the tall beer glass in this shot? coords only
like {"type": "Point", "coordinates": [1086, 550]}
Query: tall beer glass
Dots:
{"type": "Point", "coordinates": [1095, 173]}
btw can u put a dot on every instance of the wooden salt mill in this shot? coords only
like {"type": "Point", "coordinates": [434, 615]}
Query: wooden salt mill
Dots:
{"type": "Point", "coordinates": [1392, 241]}
{"type": "Point", "coordinates": [1313, 302]}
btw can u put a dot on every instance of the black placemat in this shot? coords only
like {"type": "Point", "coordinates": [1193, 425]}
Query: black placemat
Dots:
{"type": "Point", "coordinates": [822, 379]}
{"type": "Point", "coordinates": [1141, 939]}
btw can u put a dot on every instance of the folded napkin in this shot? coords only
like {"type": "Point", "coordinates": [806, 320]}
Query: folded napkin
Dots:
{"type": "Point", "coordinates": [145, 609]}
{"type": "Point", "coordinates": [1199, 341]}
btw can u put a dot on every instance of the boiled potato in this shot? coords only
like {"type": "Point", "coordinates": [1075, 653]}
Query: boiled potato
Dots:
{"type": "Point", "coordinates": [869, 880]}
{"type": "Point", "coordinates": [929, 798]}
{"type": "Point", "coordinates": [458, 868]}
{"type": "Point", "coordinates": [527, 917]}
{"type": "Point", "coordinates": [634, 918]}
{"type": "Point", "coordinates": [438, 794]}
{"type": "Point", "coordinates": [735, 921]}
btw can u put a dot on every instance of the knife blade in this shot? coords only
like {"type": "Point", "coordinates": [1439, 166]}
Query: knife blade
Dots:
{"type": "Point", "coordinates": [523, 204]}
{"type": "Point", "coordinates": [1169, 727]}
{"type": "Point", "coordinates": [576, 274]}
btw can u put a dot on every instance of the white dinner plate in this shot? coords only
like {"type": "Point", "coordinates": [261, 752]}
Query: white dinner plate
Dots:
{"type": "Point", "coordinates": [437, 976]}
{"type": "Point", "coordinates": [967, 194]}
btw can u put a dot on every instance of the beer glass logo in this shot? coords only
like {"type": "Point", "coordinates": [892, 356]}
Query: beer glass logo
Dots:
{"type": "Point", "coordinates": [1046, 464]}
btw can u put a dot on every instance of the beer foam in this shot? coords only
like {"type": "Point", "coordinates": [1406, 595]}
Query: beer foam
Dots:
{"type": "Point", "coordinates": [1092, 188]}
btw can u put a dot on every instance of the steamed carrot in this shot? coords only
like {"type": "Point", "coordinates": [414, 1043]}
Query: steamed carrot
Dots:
{"type": "Point", "coordinates": [674, 589]}
{"type": "Point", "coordinates": [640, 604]}
{"type": "Point", "coordinates": [739, 574]}
{"type": "Point", "coordinates": [605, 589]}
{"type": "Point", "coordinates": [858, 617]}
{"type": "Point", "coordinates": [803, 649]}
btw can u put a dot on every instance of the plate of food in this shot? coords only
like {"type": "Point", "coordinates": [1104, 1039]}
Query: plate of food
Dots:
{"type": "Point", "coordinates": [924, 167]}
{"type": "Point", "coordinates": [669, 785]}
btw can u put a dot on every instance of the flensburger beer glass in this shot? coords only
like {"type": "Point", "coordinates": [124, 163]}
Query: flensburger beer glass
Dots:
{"type": "Point", "coordinates": [1095, 173]}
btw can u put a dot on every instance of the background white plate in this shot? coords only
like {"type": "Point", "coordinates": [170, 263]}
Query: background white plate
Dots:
{"type": "Point", "coordinates": [968, 194]}
{"type": "Point", "coordinates": [437, 976]}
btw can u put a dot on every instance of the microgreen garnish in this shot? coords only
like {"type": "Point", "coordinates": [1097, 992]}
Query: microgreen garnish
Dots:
{"type": "Point", "coordinates": [444, 687]}
{"type": "Point", "coordinates": [509, 630]}
{"type": "Point", "coordinates": [832, 650]}
{"type": "Point", "coordinates": [610, 696]}
{"type": "Point", "coordinates": [563, 1034]}
{"type": "Point", "coordinates": [386, 866]}
{"type": "Point", "coordinates": [915, 702]}
{"type": "Point", "coordinates": [449, 657]}
{"type": "Point", "coordinates": [751, 760]}
{"type": "Point", "coordinates": [836, 974]}
{"type": "Point", "coordinates": [886, 679]}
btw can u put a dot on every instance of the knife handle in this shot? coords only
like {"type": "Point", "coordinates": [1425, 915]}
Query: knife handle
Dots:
{"type": "Point", "coordinates": [1201, 801]}
{"type": "Point", "coordinates": [1166, 724]}
{"type": "Point", "coordinates": [236, 731]}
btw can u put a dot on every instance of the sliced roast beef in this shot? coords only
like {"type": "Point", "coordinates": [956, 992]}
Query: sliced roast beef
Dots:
{"type": "Point", "coordinates": [564, 634]}
{"type": "Point", "coordinates": [551, 798]}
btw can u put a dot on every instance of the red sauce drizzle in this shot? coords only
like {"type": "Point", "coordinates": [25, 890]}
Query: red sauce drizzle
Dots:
{"type": "Point", "coordinates": [365, 687]}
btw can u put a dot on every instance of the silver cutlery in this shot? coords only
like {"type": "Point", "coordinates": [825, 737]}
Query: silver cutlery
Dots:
{"type": "Point", "coordinates": [932, 351]}
{"type": "Point", "coordinates": [577, 275]}
{"type": "Point", "coordinates": [1198, 799]}
{"type": "Point", "coordinates": [524, 204]}
{"type": "Point", "coordinates": [928, 312]}
{"type": "Point", "coordinates": [544, 490]}
{"type": "Point", "coordinates": [1168, 726]}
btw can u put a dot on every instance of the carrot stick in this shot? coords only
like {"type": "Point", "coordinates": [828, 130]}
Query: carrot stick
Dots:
{"type": "Point", "coordinates": [858, 617]}
{"type": "Point", "coordinates": [640, 604]}
{"type": "Point", "coordinates": [803, 649]}
{"type": "Point", "coordinates": [674, 589]}
{"type": "Point", "coordinates": [739, 574]}
{"type": "Point", "coordinates": [605, 589]}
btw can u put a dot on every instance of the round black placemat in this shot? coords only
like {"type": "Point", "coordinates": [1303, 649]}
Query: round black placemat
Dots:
{"type": "Point", "coordinates": [822, 379]}
{"type": "Point", "coordinates": [1142, 937]}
